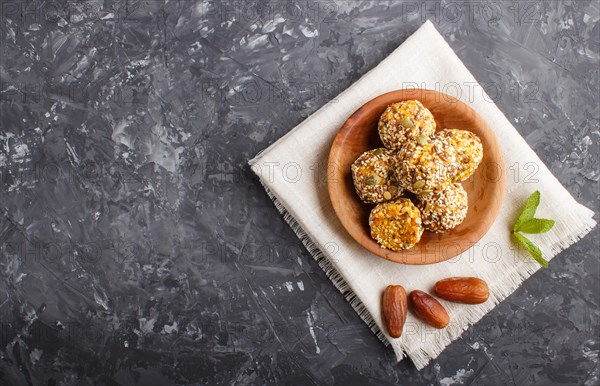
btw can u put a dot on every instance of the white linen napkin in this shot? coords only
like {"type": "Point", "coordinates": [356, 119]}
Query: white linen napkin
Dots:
{"type": "Point", "coordinates": [293, 172]}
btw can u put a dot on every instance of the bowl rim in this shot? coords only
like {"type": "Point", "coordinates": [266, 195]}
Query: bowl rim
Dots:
{"type": "Point", "coordinates": [405, 257]}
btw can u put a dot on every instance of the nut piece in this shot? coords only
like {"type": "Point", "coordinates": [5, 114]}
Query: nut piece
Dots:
{"type": "Point", "coordinates": [470, 290]}
{"type": "Point", "coordinates": [407, 122]}
{"type": "Point", "coordinates": [393, 309]}
{"type": "Point", "coordinates": [418, 185]}
{"type": "Point", "coordinates": [428, 309]}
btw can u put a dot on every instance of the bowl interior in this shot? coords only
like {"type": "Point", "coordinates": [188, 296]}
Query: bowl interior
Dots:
{"type": "Point", "coordinates": [485, 188]}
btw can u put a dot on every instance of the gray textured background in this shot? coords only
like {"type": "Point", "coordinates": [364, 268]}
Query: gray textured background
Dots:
{"type": "Point", "coordinates": [137, 247]}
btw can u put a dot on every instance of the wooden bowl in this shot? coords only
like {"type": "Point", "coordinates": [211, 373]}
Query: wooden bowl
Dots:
{"type": "Point", "coordinates": [485, 188]}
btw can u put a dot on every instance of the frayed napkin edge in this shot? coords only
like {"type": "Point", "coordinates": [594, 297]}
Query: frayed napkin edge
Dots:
{"type": "Point", "coordinates": [330, 271]}
{"type": "Point", "coordinates": [424, 354]}
{"type": "Point", "coordinates": [469, 316]}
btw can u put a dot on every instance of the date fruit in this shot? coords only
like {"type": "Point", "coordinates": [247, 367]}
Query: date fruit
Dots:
{"type": "Point", "coordinates": [469, 290]}
{"type": "Point", "coordinates": [393, 308]}
{"type": "Point", "coordinates": [428, 309]}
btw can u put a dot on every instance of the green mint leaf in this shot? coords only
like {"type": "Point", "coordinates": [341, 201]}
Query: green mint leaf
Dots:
{"type": "Point", "coordinates": [531, 248]}
{"type": "Point", "coordinates": [529, 211]}
{"type": "Point", "coordinates": [537, 225]}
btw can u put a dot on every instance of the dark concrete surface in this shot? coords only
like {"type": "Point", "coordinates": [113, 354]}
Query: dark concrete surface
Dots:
{"type": "Point", "coordinates": [138, 248]}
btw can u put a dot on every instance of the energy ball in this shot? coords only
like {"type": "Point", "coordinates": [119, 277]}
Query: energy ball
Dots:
{"type": "Point", "coordinates": [469, 151]}
{"type": "Point", "coordinates": [423, 165]}
{"type": "Point", "coordinates": [403, 122]}
{"type": "Point", "coordinates": [396, 225]}
{"type": "Point", "coordinates": [374, 176]}
{"type": "Point", "coordinates": [444, 209]}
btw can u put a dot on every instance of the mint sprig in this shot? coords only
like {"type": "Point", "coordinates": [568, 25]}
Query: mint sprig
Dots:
{"type": "Point", "coordinates": [536, 225]}
{"type": "Point", "coordinates": [527, 223]}
{"type": "Point", "coordinates": [529, 211]}
{"type": "Point", "coordinates": [531, 248]}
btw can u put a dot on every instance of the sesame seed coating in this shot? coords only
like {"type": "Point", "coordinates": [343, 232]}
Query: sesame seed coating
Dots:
{"type": "Point", "coordinates": [396, 225]}
{"type": "Point", "coordinates": [422, 167]}
{"type": "Point", "coordinates": [469, 151]}
{"type": "Point", "coordinates": [405, 121]}
{"type": "Point", "coordinates": [444, 208]}
{"type": "Point", "coordinates": [374, 176]}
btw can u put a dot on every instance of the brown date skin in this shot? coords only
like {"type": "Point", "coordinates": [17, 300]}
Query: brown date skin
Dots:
{"type": "Point", "coordinates": [468, 290]}
{"type": "Point", "coordinates": [428, 309]}
{"type": "Point", "coordinates": [393, 308]}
